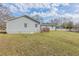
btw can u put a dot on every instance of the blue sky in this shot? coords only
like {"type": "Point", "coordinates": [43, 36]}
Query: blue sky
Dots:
{"type": "Point", "coordinates": [46, 10]}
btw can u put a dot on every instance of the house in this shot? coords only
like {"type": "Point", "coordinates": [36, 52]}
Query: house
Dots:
{"type": "Point", "coordinates": [23, 24]}
{"type": "Point", "coordinates": [50, 27]}
{"type": "Point", "coordinates": [47, 25]}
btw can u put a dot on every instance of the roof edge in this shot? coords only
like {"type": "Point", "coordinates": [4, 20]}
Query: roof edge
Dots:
{"type": "Point", "coordinates": [26, 17]}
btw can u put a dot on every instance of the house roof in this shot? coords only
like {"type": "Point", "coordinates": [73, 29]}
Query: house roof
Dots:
{"type": "Point", "coordinates": [45, 24]}
{"type": "Point", "coordinates": [26, 17]}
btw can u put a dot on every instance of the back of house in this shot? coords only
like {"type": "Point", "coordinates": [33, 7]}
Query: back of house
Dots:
{"type": "Point", "coordinates": [22, 24]}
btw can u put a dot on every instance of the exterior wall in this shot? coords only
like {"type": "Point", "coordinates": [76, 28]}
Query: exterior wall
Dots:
{"type": "Point", "coordinates": [51, 28]}
{"type": "Point", "coordinates": [17, 26]}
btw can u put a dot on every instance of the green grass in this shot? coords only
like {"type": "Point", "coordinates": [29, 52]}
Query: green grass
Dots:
{"type": "Point", "coordinates": [40, 44]}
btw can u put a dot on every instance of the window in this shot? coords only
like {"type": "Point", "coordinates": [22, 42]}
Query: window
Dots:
{"type": "Point", "coordinates": [25, 25]}
{"type": "Point", "coordinates": [36, 25]}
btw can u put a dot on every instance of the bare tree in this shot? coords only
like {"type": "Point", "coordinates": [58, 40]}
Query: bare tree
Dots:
{"type": "Point", "coordinates": [56, 22]}
{"type": "Point", "coordinates": [68, 25]}
{"type": "Point", "coordinates": [4, 16]}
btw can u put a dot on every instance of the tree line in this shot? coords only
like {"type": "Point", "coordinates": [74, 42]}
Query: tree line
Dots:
{"type": "Point", "coordinates": [65, 24]}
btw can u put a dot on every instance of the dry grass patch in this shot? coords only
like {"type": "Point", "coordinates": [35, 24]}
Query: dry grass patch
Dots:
{"type": "Point", "coordinates": [49, 43]}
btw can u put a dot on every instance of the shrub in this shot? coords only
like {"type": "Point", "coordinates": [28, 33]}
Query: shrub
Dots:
{"type": "Point", "coordinates": [45, 30]}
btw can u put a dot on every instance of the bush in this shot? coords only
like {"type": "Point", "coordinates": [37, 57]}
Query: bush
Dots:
{"type": "Point", "coordinates": [45, 30]}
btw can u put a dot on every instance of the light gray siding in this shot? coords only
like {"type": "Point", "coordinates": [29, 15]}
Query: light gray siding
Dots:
{"type": "Point", "coordinates": [17, 26]}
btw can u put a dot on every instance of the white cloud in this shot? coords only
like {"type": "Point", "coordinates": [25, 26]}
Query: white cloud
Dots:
{"type": "Point", "coordinates": [53, 9]}
{"type": "Point", "coordinates": [20, 7]}
{"type": "Point", "coordinates": [73, 17]}
{"type": "Point", "coordinates": [65, 4]}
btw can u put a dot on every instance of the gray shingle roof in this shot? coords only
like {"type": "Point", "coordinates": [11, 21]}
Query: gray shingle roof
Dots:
{"type": "Point", "coordinates": [26, 17]}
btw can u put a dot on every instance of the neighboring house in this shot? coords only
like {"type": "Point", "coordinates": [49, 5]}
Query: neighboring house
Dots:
{"type": "Point", "coordinates": [47, 25]}
{"type": "Point", "coordinates": [23, 24]}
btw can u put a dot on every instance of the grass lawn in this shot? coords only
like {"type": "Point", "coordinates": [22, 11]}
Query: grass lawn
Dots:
{"type": "Point", "coordinates": [49, 43]}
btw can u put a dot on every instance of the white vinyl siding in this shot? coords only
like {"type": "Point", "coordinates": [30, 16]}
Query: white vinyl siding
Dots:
{"type": "Point", "coordinates": [17, 26]}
